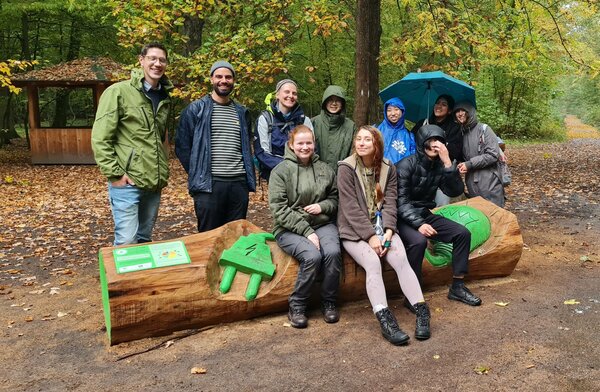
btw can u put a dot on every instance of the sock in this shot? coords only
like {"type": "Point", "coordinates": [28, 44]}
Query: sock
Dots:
{"type": "Point", "coordinates": [379, 307]}
{"type": "Point", "coordinates": [457, 282]}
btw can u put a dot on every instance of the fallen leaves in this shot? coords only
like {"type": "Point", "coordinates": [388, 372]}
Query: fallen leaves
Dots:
{"type": "Point", "coordinates": [198, 370]}
{"type": "Point", "coordinates": [571, 302]}
{"type": "Point", "coordinates": [501, 304]}
{"type": "Point", "coordinates": [482, 369]}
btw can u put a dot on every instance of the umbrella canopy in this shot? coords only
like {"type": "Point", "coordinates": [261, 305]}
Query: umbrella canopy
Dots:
{"type": "Point", "coordinates": [418, 92]}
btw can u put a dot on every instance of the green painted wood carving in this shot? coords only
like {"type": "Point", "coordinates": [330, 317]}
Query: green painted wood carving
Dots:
{"type": "Point", "coordinates": [250, 255]}
{"type": "Point", "coordinates": [440, 253]}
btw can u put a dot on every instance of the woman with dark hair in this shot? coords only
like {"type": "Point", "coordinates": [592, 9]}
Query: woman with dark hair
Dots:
{"type": "Point", "coordinates": [367, 224]}
{"type": "Point", "coordinates": [303, 199]}
{"type": "Point", "coordinates": [481, 153]}
{"type": "Point", "coordinates": [443, 118]}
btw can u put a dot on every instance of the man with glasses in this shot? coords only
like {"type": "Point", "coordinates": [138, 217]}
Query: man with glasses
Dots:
{"type": "Point", "coordinates": [419, 176]}
{"type": "Point", "coordinates": [213, 145]}
{"type": "Point", "coordinates": [128, 140]}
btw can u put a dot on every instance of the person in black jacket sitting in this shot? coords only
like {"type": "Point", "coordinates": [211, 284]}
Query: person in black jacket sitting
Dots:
{"type": "Point", "coordinates": [419, 176]}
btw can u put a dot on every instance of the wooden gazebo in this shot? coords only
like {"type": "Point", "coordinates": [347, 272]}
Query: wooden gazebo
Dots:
{"type": "Point", "coordinates": [71, 145]}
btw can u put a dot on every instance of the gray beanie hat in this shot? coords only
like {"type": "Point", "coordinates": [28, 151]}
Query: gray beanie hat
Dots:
{"type": "Point", "coordinates": [221, 64]}
{"type": "Point", "coordinates": [282, 82]}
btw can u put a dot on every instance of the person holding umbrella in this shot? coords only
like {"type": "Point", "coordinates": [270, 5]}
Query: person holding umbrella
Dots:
{"type": "Point", "coordinates": [398, 141]}
{"type": "Point", "coordinates": [443, 118]}
{"type": "Point", "coordinates": [481, 152]}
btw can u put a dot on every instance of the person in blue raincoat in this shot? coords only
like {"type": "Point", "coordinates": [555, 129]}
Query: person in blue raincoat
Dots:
{"type": "Point", "coordinates": [398, 141]}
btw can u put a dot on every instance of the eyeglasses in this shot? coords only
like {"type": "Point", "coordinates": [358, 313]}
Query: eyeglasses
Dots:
{"type": "Point", "coordinates": [153, 59]}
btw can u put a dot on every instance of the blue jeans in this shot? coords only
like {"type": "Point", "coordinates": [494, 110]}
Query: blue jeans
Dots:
{"type": "Point", "coordinates": [134, 211]}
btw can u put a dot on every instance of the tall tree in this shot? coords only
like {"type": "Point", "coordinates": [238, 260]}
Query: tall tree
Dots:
{"type": "Point", "coordinates": [368, 36]}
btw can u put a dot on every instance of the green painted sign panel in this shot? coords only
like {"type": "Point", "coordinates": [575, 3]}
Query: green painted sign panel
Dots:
{"type": "Point", "coordinates": [143, 257]}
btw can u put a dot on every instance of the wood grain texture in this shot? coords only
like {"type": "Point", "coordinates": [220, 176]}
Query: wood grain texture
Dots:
{"type": "Point", "coordinates": [160, 301]}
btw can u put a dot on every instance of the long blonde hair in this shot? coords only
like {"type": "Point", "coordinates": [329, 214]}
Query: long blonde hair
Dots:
{"type": "Point", "coordinates": [377, 156]}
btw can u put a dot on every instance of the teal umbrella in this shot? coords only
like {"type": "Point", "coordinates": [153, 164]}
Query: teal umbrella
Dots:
{"type": "Point", "coordinates": [419, 90]}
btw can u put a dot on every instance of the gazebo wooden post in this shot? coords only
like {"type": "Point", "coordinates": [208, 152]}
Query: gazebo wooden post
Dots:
{"type": "Point", "coordinates": [33, 106]}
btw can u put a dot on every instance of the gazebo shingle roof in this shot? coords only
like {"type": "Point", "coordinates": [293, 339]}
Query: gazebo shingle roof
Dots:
{"type": "Point", "coordinates": [86, 70]}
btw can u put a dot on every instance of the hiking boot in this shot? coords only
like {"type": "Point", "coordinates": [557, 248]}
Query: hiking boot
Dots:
{"type": "Point", "coordinates": [330, 313]}
{"type": "Point", "coordinates": [422, 331]}
{"type": "Point", "coordinates": [409, 306]}
{"type": "Point", "coordinates": [463, 294]}
{"type": "Point", "coordinates": [297, 317]}
{"type": "Point", "coordinates": [390, 329]}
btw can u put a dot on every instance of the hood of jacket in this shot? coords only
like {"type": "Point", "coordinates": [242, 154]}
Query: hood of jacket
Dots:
{"type": "Point", "coordinates": [337, 119]}
{"type": "Point", "coordinates": [471, 112]}
{"type": "Point", "coordinates": [334, 91]}
{"type": "Point", "coordinates": [427, 132]}
{"type": "Point", "coordinates": [397, 102]}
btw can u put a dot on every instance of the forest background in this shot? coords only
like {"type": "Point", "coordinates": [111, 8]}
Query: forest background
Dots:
{"type": "Point", "coordinates": [530, 61]}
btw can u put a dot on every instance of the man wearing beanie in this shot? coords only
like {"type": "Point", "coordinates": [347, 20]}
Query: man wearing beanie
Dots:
{"type": "Point", "coordinates": [213, 146]}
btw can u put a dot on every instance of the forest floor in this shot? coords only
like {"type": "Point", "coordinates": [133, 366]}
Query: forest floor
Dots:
{"type": "Point", "coordinates": [538, 329]}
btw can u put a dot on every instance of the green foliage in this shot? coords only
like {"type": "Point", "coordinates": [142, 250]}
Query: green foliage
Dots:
{"type": "Point", "coordinates": [513, 52]}
{"type": "Point", "coordinates": [256, 36]}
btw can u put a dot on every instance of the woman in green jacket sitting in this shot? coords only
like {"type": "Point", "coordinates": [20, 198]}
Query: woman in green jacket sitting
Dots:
{"type": "Point", "coordinates": [303, 199]}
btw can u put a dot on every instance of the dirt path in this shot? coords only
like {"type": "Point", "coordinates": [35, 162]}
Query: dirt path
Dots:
{"type": "Point", "coordinates": [54, 219]}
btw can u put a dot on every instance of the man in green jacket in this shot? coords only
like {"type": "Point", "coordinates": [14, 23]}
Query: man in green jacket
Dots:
{"type": "Point", "coordinates": [128, 140]}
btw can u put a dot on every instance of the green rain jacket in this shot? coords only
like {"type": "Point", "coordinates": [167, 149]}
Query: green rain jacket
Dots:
{"type": "Point", "coordinates": [293, 186]}
{"type": "Point", "coordinates": [334, 132]}
{"type": "Point", "coordinates": [127, 137]}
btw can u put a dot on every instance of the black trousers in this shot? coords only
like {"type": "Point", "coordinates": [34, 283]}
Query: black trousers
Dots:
{"type": "Point", "coordinates": [227, 202]}
{"type": "Point", "coordinates": [326, 261]}
{"type": "Point", "coordinates": [449, 231]}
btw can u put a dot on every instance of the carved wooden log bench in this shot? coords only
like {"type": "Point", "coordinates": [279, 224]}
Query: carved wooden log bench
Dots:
{"type": "Point", "coordinates": [155, 302]}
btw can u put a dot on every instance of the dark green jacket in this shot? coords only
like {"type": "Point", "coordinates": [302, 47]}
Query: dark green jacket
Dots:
{"type": "Point", "coordinates": [334, 132]}
{"type": "Point", "coordinates": [293, 186]}
{"type": "Point", "coordinates": [127, 137]}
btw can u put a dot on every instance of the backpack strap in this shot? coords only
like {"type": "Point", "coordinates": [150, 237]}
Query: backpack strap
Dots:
{"type": "Point", "coordinates": [481, 137]}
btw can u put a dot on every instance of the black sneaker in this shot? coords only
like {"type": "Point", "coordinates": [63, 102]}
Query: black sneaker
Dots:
{"type": "Point", "coordinates": [297, 317]}
{"type": "Point", "coordinates": [463, 294]}
{"type": "Point", "coordinates": [330, 313]}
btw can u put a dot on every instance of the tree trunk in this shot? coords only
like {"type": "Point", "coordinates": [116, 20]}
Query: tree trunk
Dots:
{"type": "Point", "coordinates": [368, 37]}
{"type": "Point", "coordinates": [7, 120]}
{"type": "Point", "coordinates": [62, 96]}
{"type": "Point", "coordinates": [192, 27]}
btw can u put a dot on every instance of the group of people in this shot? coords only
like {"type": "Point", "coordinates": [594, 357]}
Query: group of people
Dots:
{"type": "Point", "coordinates": [331, 186]}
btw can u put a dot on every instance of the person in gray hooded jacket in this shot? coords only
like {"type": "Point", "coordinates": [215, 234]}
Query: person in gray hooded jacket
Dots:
{"type": "Point", "coordinates": [481, 153]}
{"type": "Point", "coordinates": [333, 130]}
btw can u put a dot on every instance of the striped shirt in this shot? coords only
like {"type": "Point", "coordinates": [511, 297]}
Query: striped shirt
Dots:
{"type": "Point", "coordinates": [226, 143]}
